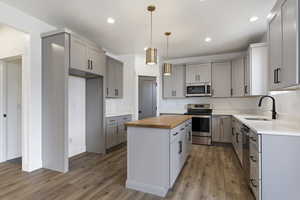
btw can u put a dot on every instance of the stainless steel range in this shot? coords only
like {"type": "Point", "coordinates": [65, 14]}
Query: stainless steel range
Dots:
{"type": "Point", "coordinates": [201, 123]}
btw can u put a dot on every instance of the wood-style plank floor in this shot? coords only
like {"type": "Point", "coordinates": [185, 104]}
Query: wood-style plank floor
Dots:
{"type": "Point", "coordinates": [211, 173]}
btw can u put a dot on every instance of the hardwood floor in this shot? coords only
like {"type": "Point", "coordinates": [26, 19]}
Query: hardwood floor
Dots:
{"type": "Point", "coordinates": [211, 173]}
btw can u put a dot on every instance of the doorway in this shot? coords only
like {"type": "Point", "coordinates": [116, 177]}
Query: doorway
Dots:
{"type": "Point", "coordinates": [147, 97]}
{"type": "Point", "coordinates": [11, 98]}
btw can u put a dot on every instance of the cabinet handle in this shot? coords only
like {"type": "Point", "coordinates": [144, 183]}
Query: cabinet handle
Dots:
{"type": "Point", "coordinates": [252, 159]}
{"type": "Point", "coordinates": [253, 139]}
{"type": "Point", "coordinates": [252, 183]}
{"type": "Point", "coordinates": [246, 89]}
{"type": "Point", "coordinates": [116, 92]}
{"type": "Point", "coordinates": [175, 134]}
{"type": "Point", "coordinates": [89, 64]}
{"type": "Point", "coordinates": [180, 147]}
{"type": "Point", "coordinates": [107, 91]}
{"type": "Point", "coordinates": [181, 129]}
{"type": "Point", "coordinates": [231, 92]}
{"type": "Point", "coordinates": [190, 136]}
{"type": "Point", "coordinates": [278, 70]}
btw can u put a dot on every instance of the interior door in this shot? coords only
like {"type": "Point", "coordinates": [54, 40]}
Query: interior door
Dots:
{"type": "Point", "coordinates": [147, 97]}
{"type": "Point", "coordinates": [13, 109]}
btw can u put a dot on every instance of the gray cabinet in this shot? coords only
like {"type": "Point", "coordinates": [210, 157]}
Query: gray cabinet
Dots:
{"type": "Point", "coordinates": [174, 85]}
{"type": "Point", "coordinates": [238, 77]}
{"type": "Point", "coordinates": [114, 78]}
{"type": "Point", "coordinates": [59, 60]}
{"type": "Point", "coordinates": [198, 73]}
{"type": "Point", "coordinates": [283, 46]}
{"type": "Point", "coordinates": [221, 129]}
{"type": "Point", "coordinates": [290, 31]}
{"type": "Point", "coordinates": [221, 79]}
{"type": "Point", "coordinates": [85, 57]}
{"type": "Point", "coordinates": [115, 130]}
{"type": "Point", "coordinates": [256, 73]}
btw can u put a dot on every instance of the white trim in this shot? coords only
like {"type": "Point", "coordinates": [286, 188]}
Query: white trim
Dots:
{"type": "Point", "coordinates": [151, 189]}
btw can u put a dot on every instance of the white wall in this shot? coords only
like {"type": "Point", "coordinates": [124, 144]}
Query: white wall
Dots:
{"type": "Point", "coordinates": [77, 115]}
{"type": "Point", "coordinates": [31, 82]}
{"type": "Point", "coordinates": [13, 44]}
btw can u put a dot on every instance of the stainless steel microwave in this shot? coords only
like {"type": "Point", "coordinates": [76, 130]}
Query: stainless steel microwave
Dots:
{"type": "Point", "coordinates": [198, 90]}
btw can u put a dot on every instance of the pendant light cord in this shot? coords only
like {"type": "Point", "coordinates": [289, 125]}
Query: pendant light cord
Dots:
{"type": "Point", "coordinates": [151, 31]}
{"type": "Point", "coordinates": [167, 46]}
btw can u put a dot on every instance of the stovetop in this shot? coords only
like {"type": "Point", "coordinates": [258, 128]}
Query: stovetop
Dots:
{"type": "Point", "coordinates": [199, 109]}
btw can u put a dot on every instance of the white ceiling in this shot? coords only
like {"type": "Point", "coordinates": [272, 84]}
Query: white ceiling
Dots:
{"type": "Point", "coordinates": [190, 21]}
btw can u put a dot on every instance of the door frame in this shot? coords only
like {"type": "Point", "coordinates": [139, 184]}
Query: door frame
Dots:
{"type": "Point", "coordinates": [3, 107]}
{"type": "Point", "coordinates": [154, 78]}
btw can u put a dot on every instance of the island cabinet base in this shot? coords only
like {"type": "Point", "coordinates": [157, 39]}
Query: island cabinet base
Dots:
{"type": "Point", "coordinates": [152, 167]}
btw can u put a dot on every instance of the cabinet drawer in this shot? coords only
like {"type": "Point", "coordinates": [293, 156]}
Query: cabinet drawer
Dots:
{"type": "Point", "coordinates": [125, 118]}
{"type": "Point", "coordinates": [111, 121]}
{"type": "Point", "coordinates": [177, 131]}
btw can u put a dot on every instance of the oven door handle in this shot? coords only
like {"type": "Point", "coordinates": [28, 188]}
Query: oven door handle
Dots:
{"type": "Point", "coordinates": [201, 116]}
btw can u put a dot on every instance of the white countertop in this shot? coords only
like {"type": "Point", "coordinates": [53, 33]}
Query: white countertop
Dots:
{"type": "Point", "coordinates": [116, 114]}
{"type": "Point", "coordinates": [272, 127]}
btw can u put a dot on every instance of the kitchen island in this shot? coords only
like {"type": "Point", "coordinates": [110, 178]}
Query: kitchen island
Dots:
{"type": "Point", "coordinates": [158, 148]}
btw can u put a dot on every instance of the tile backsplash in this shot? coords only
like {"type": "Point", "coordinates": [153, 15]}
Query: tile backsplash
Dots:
{"type": "Point", "coordinates": [241, 105]}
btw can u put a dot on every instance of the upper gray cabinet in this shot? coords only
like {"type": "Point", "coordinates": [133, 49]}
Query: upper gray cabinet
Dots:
{"type": "Point", "coordinates": [256, 70]}
{"type": "Point", "coordinates": [221, 79]}
{"type": "Point", "coordinates": [114, 78]}
{"type": "Point", "coordinates": [174, 85]}
{"type": "Point", "coordinates": [198, 73]}
{"type": "Point", "coordinates": [283, 46]}
{"type": "Point", "coordinates": [85, 57]}
{"type": "Point", "coordinates": [238, 77]}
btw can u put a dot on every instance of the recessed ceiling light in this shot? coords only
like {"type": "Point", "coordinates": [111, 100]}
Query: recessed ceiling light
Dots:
{"type": "Point", "coordinates": [253, 19]}
{"type": "Point", "coordinates": [110, 20]}
{"type": "Point", "coordinates": [202, 0]}
{"type": "Point", "coordinates": [208, 39]}
{"type": "Point", "coordinates": [145, 49]}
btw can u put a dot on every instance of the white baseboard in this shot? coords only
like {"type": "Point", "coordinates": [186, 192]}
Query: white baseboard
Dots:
{"type": "Point", "coordinates": [146, 188]}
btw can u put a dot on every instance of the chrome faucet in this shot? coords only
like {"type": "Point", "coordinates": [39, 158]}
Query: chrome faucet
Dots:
{"type": "Point", "coordinates": [274, 107]}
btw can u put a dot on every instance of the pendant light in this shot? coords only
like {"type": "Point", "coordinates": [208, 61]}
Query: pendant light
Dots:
{"type": "Point", "coordinates": [167, 67]}
{"type": "Point", "coordinates": [151, 53]}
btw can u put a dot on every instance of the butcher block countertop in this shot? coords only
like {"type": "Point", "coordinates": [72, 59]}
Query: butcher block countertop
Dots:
{"type": "Point", "coordinates": [164, 122]}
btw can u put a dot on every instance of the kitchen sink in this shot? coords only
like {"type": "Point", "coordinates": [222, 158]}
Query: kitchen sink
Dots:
{"type": "Point", "coordinates": [257, 119]}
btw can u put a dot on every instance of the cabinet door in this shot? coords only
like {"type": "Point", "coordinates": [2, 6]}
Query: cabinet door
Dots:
{"type": "Point", "coordinates": [174, 160]}
{"type": "Point", "coordinates": [275, 50]}
{"type": "Point", "coordinates": [247, 74]}
{"type": "Point", "coordinates": [221, 79]}
{"type": "Point", "coordinates": [78, 54]}
{"type": "Point", "coordinates": [168, 91]}
{"type": "Point", "coordinates": [97, 60]}
{"type": "Point", "coordinates": [289, 74]}
{"type": "Point", "coordinates": [198, 73]}
{"type": "Point", "coordinates": [238, 77]}
{"type": "Point", "coordinates": [204, 72]}
{"type": "Point", "coordinates": [119, 79]}
{"type": "Point", "coordinates": [216, 133]}
{"type": "Point", "coordinates": [226, 129]}
{"type": "Point", "coordinates": [114, 78]}
{"type": "Point", "coordinates": [178, 80]}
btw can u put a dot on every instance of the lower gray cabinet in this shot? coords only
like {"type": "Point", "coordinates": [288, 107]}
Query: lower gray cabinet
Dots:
{"type": "Point", "coordinates": [221, 129]}
{"type": "Point", "coordinates": [115, 130]}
